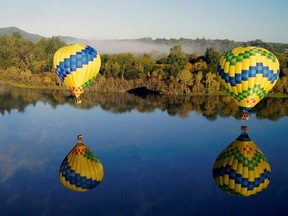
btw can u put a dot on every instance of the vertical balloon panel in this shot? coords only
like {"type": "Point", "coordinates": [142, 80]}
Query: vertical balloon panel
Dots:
{"type": "Point", "coordinates": [81, 170]}
{"type": "Point", "coordinates": [242, 169]}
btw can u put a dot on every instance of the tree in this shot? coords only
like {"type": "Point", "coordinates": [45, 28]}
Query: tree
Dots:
{"type": "Point", "coordinates": [212, 59]}
{"type": "Point", "coordinates": [172, 70]}
{"type": "Point", "coordinates": [211, 83]}
{"type": "Point", "coordinates": [211, 56]}
{"type": "Point", "coordinates": [198, 87]}
{"type": "Point", "coordinates": [209, 78]}
{"type": "Point", "coordinates": [131, 74]}
{"type": "Point", "coordinates": [281, 86]}
{"type": "Point", "coordinates": [185, 76]}
{"type": "Point", "coordinates": [45, 50]}
{"type": "Point", "coordinates": [199, 66]}
{"type": "Point", "coordinates": [148, 65]}
{"type": "Point", "coordinates": [177, 56]}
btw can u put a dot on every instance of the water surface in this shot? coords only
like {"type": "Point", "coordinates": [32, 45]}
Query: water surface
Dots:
{"type": "Point", "coordinates": [157, 154]}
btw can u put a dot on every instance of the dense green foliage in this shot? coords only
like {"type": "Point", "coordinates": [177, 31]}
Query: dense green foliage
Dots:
{"type": "Point", "coordinates": [25, 62]}
{"type": "Point", "coordinates": [22, 61]}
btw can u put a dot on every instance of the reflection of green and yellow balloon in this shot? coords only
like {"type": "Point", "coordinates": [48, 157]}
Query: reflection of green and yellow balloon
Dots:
{"type": "Point", "coordinates": [242, 169]}
{"type": "Point", "coordinates": [81, 170]}
{"type": "Point", "coordinates": [248, 74]}
{"type": "Point", "coordinates": [77, 66]}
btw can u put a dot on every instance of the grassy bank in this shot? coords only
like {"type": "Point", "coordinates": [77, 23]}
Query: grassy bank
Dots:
{"type": "Point", "coordinates": [32, 86]}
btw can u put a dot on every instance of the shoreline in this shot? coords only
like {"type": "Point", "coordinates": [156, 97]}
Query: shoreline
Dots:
{"type": "Point", "coordinates": [21, 85]}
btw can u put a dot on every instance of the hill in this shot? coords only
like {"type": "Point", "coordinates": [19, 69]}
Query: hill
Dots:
{"type": "Point", "coordinates": [32, 37]}
{"type": "Point", "coordinates": [28, 36]}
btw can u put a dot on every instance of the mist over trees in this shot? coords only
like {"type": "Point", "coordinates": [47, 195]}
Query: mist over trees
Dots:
{"type": "Point", "coordinates": [177, 72]}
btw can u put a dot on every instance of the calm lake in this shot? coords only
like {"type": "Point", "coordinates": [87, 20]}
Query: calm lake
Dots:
{"type": "Point", "coordinates": [157, 152]}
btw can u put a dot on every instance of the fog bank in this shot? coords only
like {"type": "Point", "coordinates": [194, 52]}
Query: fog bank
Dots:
{"type": "Point", "coordinates": [134, 46]}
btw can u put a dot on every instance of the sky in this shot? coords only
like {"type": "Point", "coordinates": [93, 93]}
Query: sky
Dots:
{"type": "Point", "coordinates": [240, 20]}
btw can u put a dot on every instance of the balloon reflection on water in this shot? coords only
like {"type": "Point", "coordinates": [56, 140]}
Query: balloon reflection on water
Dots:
{"type": "Point", "coordinates": [242, 169]}
{"type": "Point", "coordinates": [81, 170]}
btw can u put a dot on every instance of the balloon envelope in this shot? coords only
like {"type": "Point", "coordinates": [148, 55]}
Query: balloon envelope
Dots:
{"type": "Point", "coordinates": [81, 170]}
{"type": "Point", "coordinates": [248, 74]}
{"type": "Point", "coordinates": [242, 169]}
{"type": "Point", "coordinates": [77, 65]}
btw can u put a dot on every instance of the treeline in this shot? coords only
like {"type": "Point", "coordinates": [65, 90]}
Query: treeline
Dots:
{"type": "Point", "coordinates": [177, 73]}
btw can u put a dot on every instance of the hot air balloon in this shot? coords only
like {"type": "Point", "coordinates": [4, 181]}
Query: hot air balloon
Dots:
{"type": "Point", "coordinates": [77, 65]}
{"type": "Point", "coordinates": [248, 74]}
{"type": "Point", "coordinates": [81, 170]}
{"type": "Point", "coordinates": [242, 169]}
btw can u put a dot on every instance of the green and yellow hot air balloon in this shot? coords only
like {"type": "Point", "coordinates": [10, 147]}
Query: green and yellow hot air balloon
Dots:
{"type": "Point", "coordinates": [248, 74]}
{"type": "Point", "coordinates": [242, 169]}
{"type": "Point", "coordinates": [81, 170]}
{"type": "Point", "coordinates": [77, 65]}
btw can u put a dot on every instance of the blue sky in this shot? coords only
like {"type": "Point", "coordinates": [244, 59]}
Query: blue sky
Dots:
{"type": "Point", "coordinates": [241, 20]}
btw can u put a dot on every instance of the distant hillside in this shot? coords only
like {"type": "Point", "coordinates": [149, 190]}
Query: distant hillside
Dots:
{"type": "Point", "coordinates": [28, 36]}
{"type": "Point", "coordinates": [33, 37]}
{"type": "Point", "coordinates": [147, 44]}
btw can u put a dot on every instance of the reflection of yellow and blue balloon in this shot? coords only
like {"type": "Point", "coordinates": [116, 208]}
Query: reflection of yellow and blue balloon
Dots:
{"type": "Point", "coordinates": [81, 170]}
{"type": "Point", "coordinates": [242, 169]}
{"type": "Point", "coordinates": [248, 74]}
{"type": "Point", "coordinates": [77, 65]}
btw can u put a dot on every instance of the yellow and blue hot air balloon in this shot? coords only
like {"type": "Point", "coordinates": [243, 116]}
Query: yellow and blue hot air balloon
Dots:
{"type": "Point", "coordinates": [77, 65]}
{"type": "Point", "coordinates": [248, 74]}
{"type": "Point", "coordinates": [242, 169]}
{"type": "Point", "coordinates": [81, 170]}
